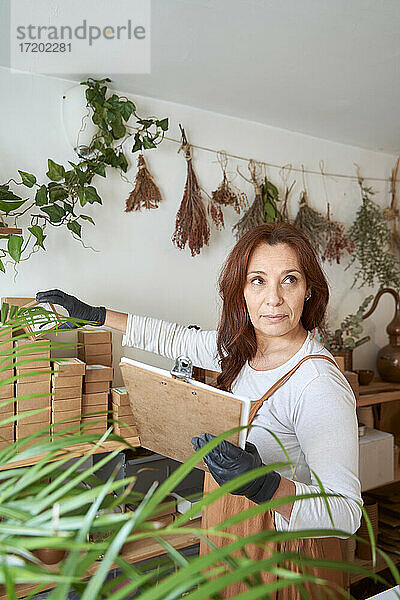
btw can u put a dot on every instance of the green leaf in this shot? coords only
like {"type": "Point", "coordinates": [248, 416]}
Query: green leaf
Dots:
{"type": "Point", "coordinates": [7, 194]}
{"type": "Point", "coordinates": [163, 123]}
{"type": "Point", "coordinates": [87, 218]}
{"type": "Point", "coordinates": [14, 247]}
{"type": "Point", "coordinates": [55, 212]}
{"type": "Point", "coordinates": [127, 108]}
{"type": "Point", "coordinates": [57, 192]}
{"type": "Point", "coordinates": [27, 178]}
{"type": "Point", "coordinates": [8, 206]}
{"type": "Point", "coordinates": [118, 128]}
{"type": "Point", "coordinates": [75, 227]}
{"type": "Point", "coordinates": [122, 162]}
{"type": "Point", "coordinates": [138, 144]}
{"type": "Point", "coordinates": [2, 268]}
{"type": "Point", "coordinates": [99, 169]}
{"type": "Point", "coordinates": [91, 195]}
{"type": "Point", "coordinates": [41, 196]}
{"type": "Point", "coordinates": [37, 231]}
{"type": "Point", "coordinates": [148, 143]}
{"type": "Point", "coordinates": [56, 172]}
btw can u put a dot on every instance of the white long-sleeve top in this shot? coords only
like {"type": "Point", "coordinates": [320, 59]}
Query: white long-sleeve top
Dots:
{"type": "Point", "coordinates": [313, 414]}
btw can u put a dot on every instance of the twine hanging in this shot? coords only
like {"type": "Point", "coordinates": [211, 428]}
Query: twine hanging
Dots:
{"type": "Point", "coordinates": [191, 220]}
{"type": "Point", "coordinates": [145, 193]}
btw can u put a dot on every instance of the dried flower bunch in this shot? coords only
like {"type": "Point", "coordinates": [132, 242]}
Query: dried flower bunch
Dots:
{"type": "Point", "coordinates": [226, 194]}
{"type": "Point", "coordinates": [254, 216]}
{"type": "Point", "coordinates": [145, 194]}
{"type": "Point", "coordinates": [373, 257]}
{"type": "Point", "coordinates": [191, 225]}
{"type": "Point", "coordinates": [312, 223]}
{"type": "Point", "coordinates": [337, 242]}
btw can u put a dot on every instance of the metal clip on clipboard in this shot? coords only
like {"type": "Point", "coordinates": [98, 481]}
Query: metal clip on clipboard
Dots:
{"type": "Point", "coordinates": [183, 369]}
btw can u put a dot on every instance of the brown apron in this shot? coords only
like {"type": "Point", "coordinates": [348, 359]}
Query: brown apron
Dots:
{"type": "Point", "coordinates": [230, 505]}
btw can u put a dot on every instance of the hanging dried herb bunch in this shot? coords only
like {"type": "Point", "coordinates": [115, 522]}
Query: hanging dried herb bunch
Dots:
{"type": "Point", "coordinates": [226, 194]}
{"type": "Point", "coordinates": [312, 223]}
{"type": "Point", "coordinates": [373, 259]}
{"type": "Point", "coordinates": [145, 194]}
{"type": "Point", "coordinates": [191, 220]}
{"type": "Point", "coordinates": [337, 242]}
{"type": "Point", "coordinates": [254, 216]}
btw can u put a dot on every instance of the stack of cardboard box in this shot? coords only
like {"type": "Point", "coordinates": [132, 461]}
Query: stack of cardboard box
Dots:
{"type": "Point", "coordinates": [6, 389]}
{"type": "Point", "coordinates": [96, 389]}
{"type": "Point", "coordinates": [67, 395]}
{"type": "Point", "coordinates": [95, 347]}
{"type": "Point", "coordinates": [31, 381]}
{"type": "Point", "coordinates": [122, 411]}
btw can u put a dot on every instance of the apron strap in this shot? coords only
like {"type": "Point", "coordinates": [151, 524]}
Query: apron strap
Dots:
{"type": "Point", "coordinates": [256, 404]}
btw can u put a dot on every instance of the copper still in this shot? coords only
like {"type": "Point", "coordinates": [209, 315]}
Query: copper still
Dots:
{"type": "Point", "coordinates": [388, 357]}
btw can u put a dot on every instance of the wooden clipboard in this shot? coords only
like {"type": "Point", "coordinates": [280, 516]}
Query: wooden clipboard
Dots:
{"type": "Point", "coordinates": [170, 411]}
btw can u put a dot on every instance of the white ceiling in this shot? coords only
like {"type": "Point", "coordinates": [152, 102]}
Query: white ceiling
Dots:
{"type": "Point", "coordinates": [328, 68]}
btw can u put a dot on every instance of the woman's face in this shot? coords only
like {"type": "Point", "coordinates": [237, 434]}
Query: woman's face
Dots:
{"type": "Point", "coordinates": [275, 290]}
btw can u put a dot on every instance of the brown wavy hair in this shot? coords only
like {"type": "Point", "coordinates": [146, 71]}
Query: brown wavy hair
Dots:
{"type": "Point", "coordinates": [236, 340]}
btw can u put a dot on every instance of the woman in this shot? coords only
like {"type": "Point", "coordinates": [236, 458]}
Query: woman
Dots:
{"type": "Point", "coordinates": [274, 296]}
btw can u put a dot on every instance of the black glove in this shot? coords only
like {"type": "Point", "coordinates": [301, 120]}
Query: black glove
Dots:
{"type": "Point", "coordinates": [226, 461]}
{"type": "Point", "coordinates": [75, 308]}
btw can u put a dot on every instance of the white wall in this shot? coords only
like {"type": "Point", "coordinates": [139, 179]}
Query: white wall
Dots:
{"type": "Point", "coordinates": [135, 267]}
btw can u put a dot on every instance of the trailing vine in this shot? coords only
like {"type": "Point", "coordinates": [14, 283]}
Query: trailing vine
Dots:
{"type": "Point", "coordinates": [58, 203]}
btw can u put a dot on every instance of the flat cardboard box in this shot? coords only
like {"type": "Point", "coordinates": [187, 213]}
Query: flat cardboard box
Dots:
{"type": "Point", "coordinates": [62, 382]}
{"type": "Point", "coordinates": [94, 412]}
{"type": "Point", "coordinates": [68, 367]}
{"type": "Point", "coordinates": [6, 443]}
{"type": "Point", "coordinates": [6, 341]}
{"type": "Point", "coordinates": [40, 347]}
{"type": "Point", "coordinates": [120, 396]}
{"type": "Point", "coordinates": [73, 426]}
{"type": "Point", "coordinates": [65, 415]}
{"type": "Point", "coordinates": [96, 386]}
{"type": "Point", "coordinates": [6, 391]}
{"type": "Point", "coordinates": [7, 410]}
{"type": "Point", "coordinates": [6, 363]}
{"type": "Point", "coordinates": [42, 417]}
{"type": "Point", "coordinates": [95, 350]}
{"type": "Point", "coordinates": [37, 440]}
{"type": "Point", "coordinates": [17, 301]}
{"type": "Point", "coordinates": [38, 387]}
{"type": "Point", "coordinates": [67, 404]}
{"type": "Point", "coordinates": [94, 336]}
{"type": "Point", "coordinates": [7, 432]}
{"type": "Point", "coordinates": [94, 419]}
{"type": "Point", "coordinates": [32, 404]}
{"type": "Point", "coordinates": [125, 431]}
{"type": "Point", "coordinates": [33, 376]}
{"type": "Point", "coordinates": [103, 359]}
{"type": "Point", "coordinates": [98, 372]}
{"type": "Point", "coordinates": [7, 374]}
{"type": "Point", "coordinates": [31, 366]}
{"type": "Point", "coordinates": [376, 465]}
{"type": "Point", "coordinates": [63, 393]}
{"type": "Point", "coordinates": [99, 399]}
{"type": "Point", "coordinates": [121, 411]}
{"type": "Point", "coordinates": [22, 431]}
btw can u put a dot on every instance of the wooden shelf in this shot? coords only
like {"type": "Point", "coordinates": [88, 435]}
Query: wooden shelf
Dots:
{"type": "Point", "coordinates": [73, 451]}
{"type": "Point", "coordinates": [131, 552]}
{"type": "Point", "coordinates": [378, 392]}
{"type": "Point", "coordinates": [367, 564]}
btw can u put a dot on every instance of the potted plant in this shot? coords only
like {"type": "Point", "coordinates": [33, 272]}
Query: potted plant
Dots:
{"type": "Point", "coordinates": [343, 340]}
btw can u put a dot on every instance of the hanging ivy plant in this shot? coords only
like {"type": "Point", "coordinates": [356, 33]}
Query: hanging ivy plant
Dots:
{"type": "Point", "coordinates": [59, 202]}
